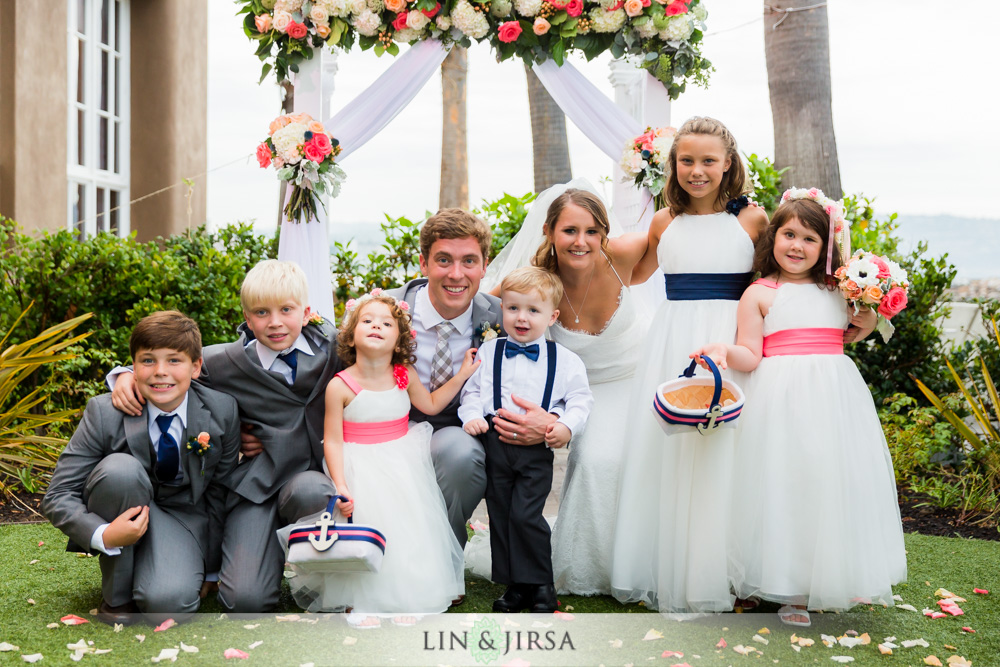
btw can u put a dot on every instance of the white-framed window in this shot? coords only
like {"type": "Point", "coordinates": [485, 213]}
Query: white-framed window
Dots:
{"type": "Point", "coordinates": [98, 125]}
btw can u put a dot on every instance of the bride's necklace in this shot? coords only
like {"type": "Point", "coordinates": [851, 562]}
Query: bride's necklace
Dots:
{"type": "Point", "coordinates": [576, 315]}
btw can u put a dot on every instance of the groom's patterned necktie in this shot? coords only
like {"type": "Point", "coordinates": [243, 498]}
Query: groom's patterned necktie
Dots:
{"type": "Point", "coordinates": [441, 363]}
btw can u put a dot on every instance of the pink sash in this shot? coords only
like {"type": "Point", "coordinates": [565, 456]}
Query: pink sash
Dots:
{"type": "Point", "coordinates": [372, 433]}
{"type": "Point", "coordinates": [804, 341]}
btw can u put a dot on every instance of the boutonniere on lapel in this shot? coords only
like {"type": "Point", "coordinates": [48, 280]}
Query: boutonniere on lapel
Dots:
{"type": "Point", "coordinates": [200, 445]}
{"type": "Point", "coordinates": [487, 332]}
{"type": "Point", "coordinates": [316, 319]}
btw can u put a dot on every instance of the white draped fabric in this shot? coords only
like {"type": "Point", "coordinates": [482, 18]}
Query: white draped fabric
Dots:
{"type": "Point", "coordinates": [364, 117]}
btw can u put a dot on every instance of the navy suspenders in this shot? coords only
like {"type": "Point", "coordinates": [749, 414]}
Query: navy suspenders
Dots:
{"type": "Point", "coordinates": [550, 376]}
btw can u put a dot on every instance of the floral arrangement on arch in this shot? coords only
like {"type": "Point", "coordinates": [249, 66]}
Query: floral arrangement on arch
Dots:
{"type": "Point", "coordinates": [663, 35]}
{"type": "Point", "coordinates": [302, 152]}
{"type": "Point", "coordinates": [645, 161]}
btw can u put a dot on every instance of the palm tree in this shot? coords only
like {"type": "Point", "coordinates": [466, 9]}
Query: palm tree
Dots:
{"type": "Point", "coordinates": [550, 148]}
{"type": "Point", "coordinates": [454, 150]}
{"type": "Point", "coordinates": [797, 49]}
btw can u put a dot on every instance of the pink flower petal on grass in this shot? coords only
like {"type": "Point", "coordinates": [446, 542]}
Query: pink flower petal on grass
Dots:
{"type": "Point", "coordinates": [235, 653]}
{"type": "Point", "coordinates": [968, 629]}
{"type": "Point", "coordinates": [73, 619]}
{"type": "Point", "coordinates": [671, 654]}
{"type": "Point", "coordinates": [981, 591]}
{"type": "Point", "coordinates": [722, 643]}
{"type": "Point", "coordinates": [166, 625]}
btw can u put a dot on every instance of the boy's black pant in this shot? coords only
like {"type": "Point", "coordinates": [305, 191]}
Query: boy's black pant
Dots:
{"type": "Point", "coordinates": [518, 481]}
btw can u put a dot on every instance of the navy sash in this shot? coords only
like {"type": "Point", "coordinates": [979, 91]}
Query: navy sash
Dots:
{"type": "Point", "coordinates": [550, 376]}
{"type": "Point", "coordinates": [704, 286]}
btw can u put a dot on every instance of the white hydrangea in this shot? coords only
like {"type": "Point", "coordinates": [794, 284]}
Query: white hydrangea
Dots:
{"type": "Point", "coordinates": [646, 30]}
{"type": "Point", "coordinates": [700, 13]}
{"type": "Point", "coordinates": [500, 8]}
{"type": "Point", "coordinates": [356, 6]}
{"type": "Point", "coordinates": [286, 142]}
{"type": "Point", "coordinates": [605, 21]}
{"type": "Point", "coordinates": [862, 271]}
{"type": "Point", "coordinates": [377, 6]}
{"type": "Point", "coordinates": [607, 4]}
{"type": "Point", "coordinates": [662, 144]}
{"type": "Point", "coordinates": [405, 36]}
{"type": "Point", "coordinates": [290, 6]}
{"type": "Point", "coordinates": [367, 23]}
{"type": "Point", "coordinates": [527, 7]}
{"type": "Point", "coordinates": [632, 162]}
{"type": "Point", "coordinates": [338, 8]}
{"type": "Point", "coordinates": [469, 21]}
{"type": "Point", "coordinates": [443, 22]}
{"type": "Point", "coordinates": [678, 29]}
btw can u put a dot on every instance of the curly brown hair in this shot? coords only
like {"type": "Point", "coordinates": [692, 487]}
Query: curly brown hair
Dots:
{"type": "Point", "coordinates": [812, 216]}
{"type": "Point", "coordinates": [405, 345]}
{"type": "Point", "coordinates": [734, 181]}
{"type": "Point", "coordinates": [545, 257]}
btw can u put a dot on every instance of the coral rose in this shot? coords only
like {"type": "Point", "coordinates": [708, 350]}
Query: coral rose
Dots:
{"type": "Point", "coordinates": [400, 22]}
{"type": "Point", "coordinates": [559, 4]}
{"type": "Point", "coordinates": [263, 23]}
{"type": "Point", "coordinates": [395, 6]}
{"type": "Point", "coordinates": [297, 30]}
{"type": "Point", "coordinates": [263, 155]}
{"type": "Point", "coordinates": [509, 31]}
{"type": "Point", "coordinates": [883, 268]}
{"type": "Point", "coordinates": [203, 438]}
{"type": "Point", "coordinates": [634, 8]}
{"type": "Point", "coordinates": [431, 13]}
{"type": "Point", "coordinates": [617, 5]}
{"type": "Point", "coordinates": [675, 8]}
{"type": "Point", "coordinates": [574, 7]}
{"type": "Point", "coordinates": [323, 31]}
{"type": "Point", "coordinates": [312, 151]}
{"type": "Point", "coordinates": [892, 303]}
{"type": "Point", "coordinates": [322, 141]}
{"type": "Point", "coordinates": [541, 26]}
{"type": "Point", "coordinates": [872, 295]}
{"type": "Point", "coordinates": [282, 20]}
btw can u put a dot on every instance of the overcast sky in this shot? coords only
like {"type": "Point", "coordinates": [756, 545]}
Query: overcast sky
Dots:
{"type": "Point", "coordinates": [914, 108]}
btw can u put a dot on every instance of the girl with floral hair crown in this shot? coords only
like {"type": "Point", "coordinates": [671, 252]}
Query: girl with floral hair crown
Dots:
{"type": "Point", "coordinates": [824, 530]}
{"type": "Point", "coordinates": [669, 550]}
{"type": "Point", "coordinates": [382, 465]}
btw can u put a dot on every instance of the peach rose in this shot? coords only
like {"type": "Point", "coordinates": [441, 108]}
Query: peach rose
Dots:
{"type": "Point", "coordinates": [263, 23]}
{"type": "Point", "coordinates": [509, 31]}
{"type": "Point", "coordinates": [282, 20]}
{"type": "Point", "coordinates": [297, 30]}
{"type": "Point", "coordinates": [541, 26]}
{"type": "Point", "coordinates": [840, 273]}
{"type": "Point", "coordinates": [203, 438]}
{"type": "Point", "coordinates": [316, 127]}
{"type": "Point", "coordinates": [873, 294]}
{"type": "Point", "coordinates": [277, 124]}
{"type": "Point", "coordinates": [300, 117]}
{"type": "Point", "coordinates": [893, 302]}
{"type": "Point", "coordinates": [323, 31]}
{"type": "Point", "coordinates": [396, 6]}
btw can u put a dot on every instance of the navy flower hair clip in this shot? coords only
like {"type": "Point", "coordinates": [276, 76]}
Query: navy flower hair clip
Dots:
{"type": "Point", "coordinates": [737, 204]}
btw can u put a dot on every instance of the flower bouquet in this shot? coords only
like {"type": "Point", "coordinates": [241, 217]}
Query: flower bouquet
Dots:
{"type": "Point", "coordinates": [303, 153]}
{"type": "Point", "coordinates": [645, 161]}
{"type": "Point", "coordinates": [876, 282]}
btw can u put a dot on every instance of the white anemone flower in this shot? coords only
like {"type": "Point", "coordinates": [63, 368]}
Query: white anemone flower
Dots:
{"type": "Point", "coordinates": [863, 271]}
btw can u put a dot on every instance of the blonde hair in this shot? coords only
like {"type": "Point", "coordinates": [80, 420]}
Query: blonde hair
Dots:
{"type": "Point", "coordinates": [454, 223]}
{"type": "Point", "coordinates": [271, 281]}
{"type": "Point", "coordinates": [533, 279]}
{"type": "Point", "coordinates": [734, 181]}
{"type": "Point", "coordinates": [545, 256]}
{"type": "Point", "coordinates": [401, 354]}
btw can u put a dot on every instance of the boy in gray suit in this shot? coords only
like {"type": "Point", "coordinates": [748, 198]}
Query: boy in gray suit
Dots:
{"type": "Point", "coordinates": [146, 491]}
{"type": "Point", "coordinates": [277, 371]}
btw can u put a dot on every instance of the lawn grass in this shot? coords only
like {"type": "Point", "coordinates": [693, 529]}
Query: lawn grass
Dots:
{"type": "Point", "coordinates": [61, 583]}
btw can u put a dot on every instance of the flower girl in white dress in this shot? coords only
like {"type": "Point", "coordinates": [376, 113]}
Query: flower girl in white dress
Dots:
{"type": "Point", "coordinates": [383, 466]}
{"type": "Point", "coordinates": [670, 542]}
{"type": "Point", "coordinates": [824, 530]}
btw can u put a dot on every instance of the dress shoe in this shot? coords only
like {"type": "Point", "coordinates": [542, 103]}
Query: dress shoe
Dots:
{"type": "Point", "coordinates": [458, 601]}
{"type": "Point", "coordinates": [544, 599]}
{"type": "Point", "coordinates": [126, 614]}
{"type": "Point", "coordinates": [516, 598]}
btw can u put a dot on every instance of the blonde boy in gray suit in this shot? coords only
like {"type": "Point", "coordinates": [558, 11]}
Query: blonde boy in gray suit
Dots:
{"type": "Point", "coordinates": [146, 491]}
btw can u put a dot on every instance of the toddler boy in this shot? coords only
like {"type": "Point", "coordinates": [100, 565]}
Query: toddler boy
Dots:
{"type": "Point", "coordinates": [146, 491]}
{"type": "Point", "coordinates": [519, 477]}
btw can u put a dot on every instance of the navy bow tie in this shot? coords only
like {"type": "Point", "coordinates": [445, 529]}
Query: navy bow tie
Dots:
{"type": "Point", "coordinates": [513, 349]}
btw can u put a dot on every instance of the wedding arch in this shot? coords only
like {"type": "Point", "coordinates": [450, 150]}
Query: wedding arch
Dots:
{"type": "Point", "coordinates": [661, 36]}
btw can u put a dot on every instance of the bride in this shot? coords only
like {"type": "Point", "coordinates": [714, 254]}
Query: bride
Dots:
{"type": "Point", "coordinates": [567, 231]}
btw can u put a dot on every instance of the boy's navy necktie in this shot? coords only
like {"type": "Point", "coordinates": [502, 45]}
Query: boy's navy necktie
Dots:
{"type": "Point", "coordinates": [292, 360]}
{"type": "Point", "coordinates": [512, 349]}
{"type": "Point", "coordinates": [168, 458]}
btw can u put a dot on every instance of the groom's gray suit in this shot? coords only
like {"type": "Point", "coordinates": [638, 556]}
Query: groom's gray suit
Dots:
{"type": "Point", "coordinates": [107, 467]}
{"type": "Point", "coordinates": [459, 458]}
{"type": "Point", "coordinates": [285, 481]}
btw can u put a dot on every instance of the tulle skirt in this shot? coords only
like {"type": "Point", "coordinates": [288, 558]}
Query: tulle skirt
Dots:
{"type": "Point", "coordinates": [395, 490]}
{"type": "Point", "coordinates": [817, 519]}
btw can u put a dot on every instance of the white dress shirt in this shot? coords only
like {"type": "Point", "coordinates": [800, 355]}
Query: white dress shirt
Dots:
{"type": "Point", "coordinates": [424, 318]}
{"type": "Point", "coordinates": [275, 361]}
{"type": "Point", "coordinates": [570, 389]}
{"type": "Point", "coordinates": [176, 430]}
